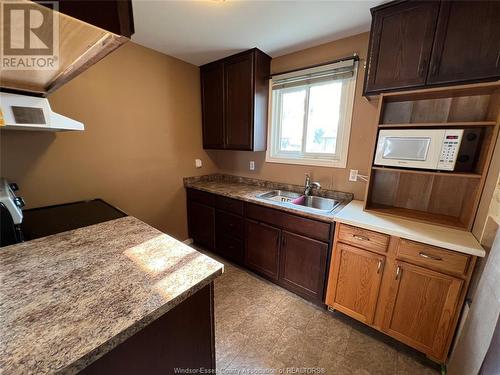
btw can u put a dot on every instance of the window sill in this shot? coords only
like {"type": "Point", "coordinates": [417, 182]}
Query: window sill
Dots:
{"type": "Point", "coordinates": [311, 162]}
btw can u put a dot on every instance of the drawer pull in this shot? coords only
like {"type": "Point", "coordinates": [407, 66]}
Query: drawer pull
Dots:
{"type": "Point", "coordinates": [379, 266]}
{"type": "Point", "coordinates": [361, 238]}
{"type": "Point", "coordinates": [398, 272]}
{"type": "Point", "coordinates": [429, 256]}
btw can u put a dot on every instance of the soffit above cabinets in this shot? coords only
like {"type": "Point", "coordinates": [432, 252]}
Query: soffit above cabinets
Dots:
{"type": "Point", "coordinates": [81, 45]}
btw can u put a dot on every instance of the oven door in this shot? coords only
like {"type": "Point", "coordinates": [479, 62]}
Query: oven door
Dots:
{"type": "Point", "coordinates": [415, 148]}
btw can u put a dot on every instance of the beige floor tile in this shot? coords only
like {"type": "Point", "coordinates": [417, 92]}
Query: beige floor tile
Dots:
{"type": "Point", "coordinates": [368, 354]}
{"type": "Point", "coordinates": [408, 365]}
{"type": "Point", "coordinates": [259, 325]}
{"type": "Point", "coordinates": [295, 349]}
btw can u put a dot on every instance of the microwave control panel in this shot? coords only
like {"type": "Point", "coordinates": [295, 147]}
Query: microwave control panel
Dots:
{"type": "Point", "coordinates": [449, 149]}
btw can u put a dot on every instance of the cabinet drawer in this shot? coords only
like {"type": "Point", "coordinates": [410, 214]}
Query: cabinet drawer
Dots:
{"type": "Point", "coordinates": [229, 204]}
{"type": "Point", "coordinates": [363, 238]}
{"type": "Point", "coordinates": [229, 224]}
{"type": "Point", "coordinates": [433, 257]}
{"type": "Point", "coordinates": [201, 197]}
{"type": "Point", "coordinates": [229, 247]}
{"type": "Point", "coordinates": [308, 227]}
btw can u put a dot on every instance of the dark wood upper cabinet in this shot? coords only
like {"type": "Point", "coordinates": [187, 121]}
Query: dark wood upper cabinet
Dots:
{"type": "Point", "coordinates": [401, 45]}
{"type": "Point", "coordinates": [419, 44]}
{"type": "Point", "coordinates": [467, 43]}
{"type": "Point", "coordinates": [235, 93]}
{"type": "Point", "coordinates": [212, 89]}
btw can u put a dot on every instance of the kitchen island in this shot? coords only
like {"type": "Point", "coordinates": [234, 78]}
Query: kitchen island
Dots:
{"type": "Point", "coordinates": [115, 297]}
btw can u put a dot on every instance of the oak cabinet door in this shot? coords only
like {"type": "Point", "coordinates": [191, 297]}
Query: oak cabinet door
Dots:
{"type": "Point", "coordinates": [212, 90]}
{"type": "Point", "coordinates": [467, 42]}
{"type": "Point", "coordinates": [201, 222]}
{"type": "Point", "coordinates": [354, 283]}
{"type": "Point", "coordinates": [421, 308]}
{"type": "Point", "coordinates": [262, 248]}
{"type": "Point", "coordinates": [239, 99]}
{"type": "Point", "coordinates": [303, 265]}
{"type": "Point", "coordinates": [400, 46]}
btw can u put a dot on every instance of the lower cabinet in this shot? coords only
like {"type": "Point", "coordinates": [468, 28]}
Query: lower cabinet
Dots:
{"type": "Point", "coordinates": [303, 265]}
{"type": "Point", "coordinates": [355, 281]}
{"type": "Point", "coordinates": [411, 291]}
{"type": "Point", "coordinates": [201, 223]}
{"type": "Point", "coordinates": [421, 308]}
{"type": "Point", "coordinates": [290, 250]}
{"type": "Point", "coordinates": [262, 248]}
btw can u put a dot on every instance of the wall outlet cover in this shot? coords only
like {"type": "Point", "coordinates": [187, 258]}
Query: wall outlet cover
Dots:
{"type": "Point", "coordinates": [198, 163]}
{"type": "Point", "coordinates": [353, 175]}
{"type": "Point", "coordinates": [252, 165]}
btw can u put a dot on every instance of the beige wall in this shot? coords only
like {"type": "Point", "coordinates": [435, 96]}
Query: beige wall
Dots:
{"type": "Point", "coordinates": [142, 115]}
{"type": "Point", "coordinates": [362, 131]}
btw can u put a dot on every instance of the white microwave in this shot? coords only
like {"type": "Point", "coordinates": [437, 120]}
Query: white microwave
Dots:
{"type": "Point", "coordinates": [438, 149]}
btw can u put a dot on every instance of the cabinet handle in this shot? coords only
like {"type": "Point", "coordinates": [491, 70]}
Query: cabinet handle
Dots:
{"type": "Point", "coordinates": [398, 272]}
{"type": "Point", "coordinates": [278, 241]}
{"type": "Point", "coordinates": [429, 256]}
{"type": "Point", "coordinates": [283, 242]}
{"type": "Point", "coordinates": [379, 266]}
{"type": "Point", "coordinates": [361, 238]}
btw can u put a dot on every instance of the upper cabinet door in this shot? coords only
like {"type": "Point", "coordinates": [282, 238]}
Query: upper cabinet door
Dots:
{"type": "Point", "coordinates": [212, 93]}
{"type": "Point", "coordinates": [400, 45]}
{"type": "Point", "coordinates": [239, 99]}
{"type": "Point", "coordinates": [467, 42]}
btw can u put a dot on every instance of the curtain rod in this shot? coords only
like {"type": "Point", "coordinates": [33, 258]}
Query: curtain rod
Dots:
{"type": "Point", "coordinates": [354, 57]}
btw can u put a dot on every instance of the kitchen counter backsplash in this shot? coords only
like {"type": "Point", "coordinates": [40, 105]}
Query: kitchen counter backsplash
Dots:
{"type": "Point", "coordinates": [268, 185]}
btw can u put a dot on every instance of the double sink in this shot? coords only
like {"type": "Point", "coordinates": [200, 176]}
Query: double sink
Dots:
{"type": "Point", "coordinates": [300, 201]}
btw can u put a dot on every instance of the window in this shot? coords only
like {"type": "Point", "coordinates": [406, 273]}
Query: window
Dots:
{"type": "Point", "coordinates": [311, 114]}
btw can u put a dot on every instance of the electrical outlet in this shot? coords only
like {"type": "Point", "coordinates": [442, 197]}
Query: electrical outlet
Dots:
{"type": "Point", "coordinates": [252, 165]}
{"type": "Point", "coordinates": [198, 163]}
{"type": "Point", "coordinates": [353, 175]}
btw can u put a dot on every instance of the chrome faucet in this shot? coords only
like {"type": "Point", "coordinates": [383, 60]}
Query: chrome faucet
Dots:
{"type": "Point", "coordinates": [309, 186]}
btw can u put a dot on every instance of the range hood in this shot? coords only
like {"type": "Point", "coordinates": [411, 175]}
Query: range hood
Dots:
{"type": "Point", "coordinates": [24, 112]}
{"type": "Point", "coordinates": [88, 32]}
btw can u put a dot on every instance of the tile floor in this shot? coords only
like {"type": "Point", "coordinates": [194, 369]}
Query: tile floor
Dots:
{"type": "Point", "coordinates": [259, 325]}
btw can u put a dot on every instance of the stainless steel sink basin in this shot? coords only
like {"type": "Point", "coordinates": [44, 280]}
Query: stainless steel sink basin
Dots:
{"type": "Point", "coordinates": [318, 203]}
{"type": "Point", "coordinates": [300, 202]}
{"type": "Point", "coordinates": [279, 196]}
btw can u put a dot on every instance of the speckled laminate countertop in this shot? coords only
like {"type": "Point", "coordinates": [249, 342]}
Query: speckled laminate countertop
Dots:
{"type": "Point", "coordinates": [247, 189]}
{"type": "Point", "coordinates": [67, 299]}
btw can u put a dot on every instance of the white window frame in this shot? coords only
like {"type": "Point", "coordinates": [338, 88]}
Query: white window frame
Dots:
{"type": "Point", "coordinates": [337, 160]}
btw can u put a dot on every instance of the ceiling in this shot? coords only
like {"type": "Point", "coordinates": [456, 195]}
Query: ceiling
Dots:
{"type": "Point", "coordinates": [202, 31]}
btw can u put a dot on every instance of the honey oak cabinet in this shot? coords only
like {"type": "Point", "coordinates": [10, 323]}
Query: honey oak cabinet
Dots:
{"type": "Point", "coordinates": [418, 44]}
{"type": "Point", "coordinates": [411, 291]}
{"type": "Point", "coordinates": [355, 277]}
{"type": "Point", "coordinates": [234, 97]}
{"type": "Point", "coordinates": [421, 307]}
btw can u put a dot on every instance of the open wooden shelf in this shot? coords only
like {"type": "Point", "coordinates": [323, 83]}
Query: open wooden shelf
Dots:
{"type": "Point", "coordinates": [444, 198]}
{"type": "Point", "coordinates": [434, 173]}
{"type": "Point", "coordinates": [422, 216]}
{"type": "Point", "coordinates": [468, 124]}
